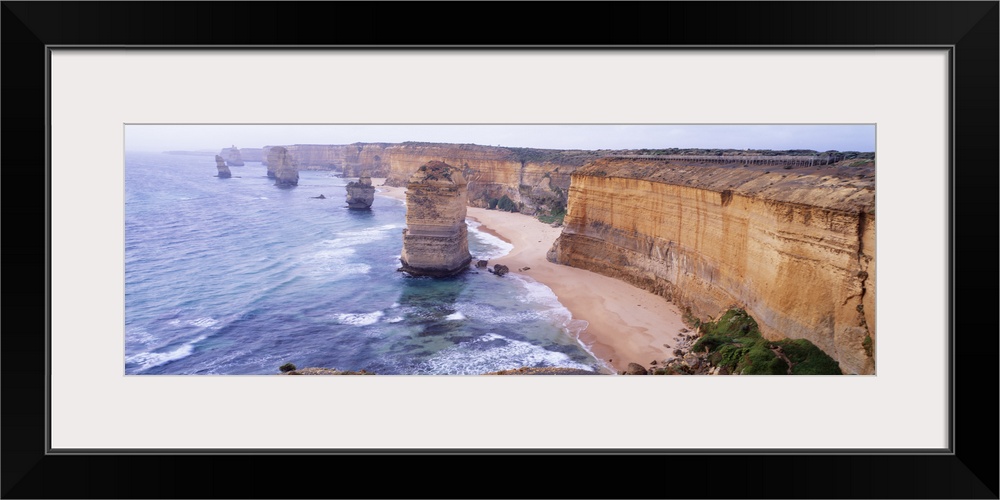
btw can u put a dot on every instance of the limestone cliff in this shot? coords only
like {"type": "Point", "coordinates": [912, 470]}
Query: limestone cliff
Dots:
{"type": "Point", "coordinates": [435, 241]}
{"type": "Point", "coordinates": [282, 166]}
{"type": "Point", "coordinates": [223, 169]}
{"type": "Point", "coordinates": [350, 159]}
{"type": "Point", "coordinates": [536, 180]}
{"type": "Point", "coordinates": [232, 156]}
{"type": "Point", "coordinates": [793, 247]}
{"type": "Point", "coordinates": [252, 154]}
{"type": "Point", "coordinates": [360, 194]}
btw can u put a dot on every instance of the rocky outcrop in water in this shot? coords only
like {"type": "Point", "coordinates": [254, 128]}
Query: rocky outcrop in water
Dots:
{"type": "Point", "coordinates": [220, 164]}
{"type": "Point", "coordinates": [436, 240]}
{"type": "Point", "coordinates": [360, 194]}
{"type": "Point", "coordinates": [794, 248]}
{"type": "Point", "coordinates": [281, 165]}
{"type": "Point", "coordinates": [232, 156]}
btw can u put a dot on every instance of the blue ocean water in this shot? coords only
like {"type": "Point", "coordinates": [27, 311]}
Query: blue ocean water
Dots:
{"type": "Point", "coordinates": [237, 276]}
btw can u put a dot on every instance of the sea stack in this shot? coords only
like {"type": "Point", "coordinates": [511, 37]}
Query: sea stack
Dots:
{"type": "Point", "coordinates": [220, 164]}
{"type": "Point", "coordinates": [436, 238]}
{"type": "Point", "coordinates": [286, 171]}
{"type": "Point", "coordinates": [233, 157]}
{"type": "Point", "coordinates": [361, 194]}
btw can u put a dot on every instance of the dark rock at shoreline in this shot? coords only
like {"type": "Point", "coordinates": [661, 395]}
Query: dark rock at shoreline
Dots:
{"type": "Point", "coordinates": [325, 371]}
{"type": "Point", "coordinates": [481, 264]}
{"type": "Point", "coordinates": [320, 197]}
{"type": "Point", "coordinates": [636, 369]}
{"type": "Point", "coordinates": [500, 269]}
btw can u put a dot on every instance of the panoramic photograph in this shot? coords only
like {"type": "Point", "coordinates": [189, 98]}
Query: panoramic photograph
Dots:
{"type": "Point", "coordinates": [475, 249]}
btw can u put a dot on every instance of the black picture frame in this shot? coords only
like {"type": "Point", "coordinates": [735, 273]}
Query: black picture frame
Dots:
{"type": "Point", "coordinates": [969, 470]}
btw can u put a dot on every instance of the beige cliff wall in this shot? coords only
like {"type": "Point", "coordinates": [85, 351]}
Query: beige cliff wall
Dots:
{"type": "Point", "coordinates": [537, 178]}
{"type": "Point", "coordinates": [350, 159]}
{"type": "Point", "coordinates": [794, 248]}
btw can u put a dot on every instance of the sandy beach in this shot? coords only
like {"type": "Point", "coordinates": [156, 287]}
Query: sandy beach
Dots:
{"type": "Point", "coordinates": [625, 324]}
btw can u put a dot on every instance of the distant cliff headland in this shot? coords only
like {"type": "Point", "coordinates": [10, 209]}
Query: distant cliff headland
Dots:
{"type": "Point", "coordinates": [787, 236]}
{"type": "Point", "coordinates": [527, 180]}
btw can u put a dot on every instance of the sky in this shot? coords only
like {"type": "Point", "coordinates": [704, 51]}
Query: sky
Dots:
{"type": "Point", "coordinates": [142, 137]}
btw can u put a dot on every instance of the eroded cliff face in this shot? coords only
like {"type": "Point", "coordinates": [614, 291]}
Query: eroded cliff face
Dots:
{"type": "Point", "coordinates": [252, 154]}
{"type": "Point", "coordinates": [360, 194]}
{"type": "Point", "coordinates": [536, 179]}
{"type": "Point", "coordinates": [350, 159]}
{"type": "Point", "coordinates": [435, 241]}
{"type": "Point", "coordinates": [794, 248]}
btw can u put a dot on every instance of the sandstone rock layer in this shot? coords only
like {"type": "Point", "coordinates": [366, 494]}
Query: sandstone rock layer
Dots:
{"type": "Point", "coordinates": [360, 194]}
{"type": "Point", "coordinates": [435, 241]}
{"type": "Point", "coordinates": [282, 166]}
{"type": "Point", "coordinates": [536, 179]}
{"type": "Point", "coordinates": [795, 249]}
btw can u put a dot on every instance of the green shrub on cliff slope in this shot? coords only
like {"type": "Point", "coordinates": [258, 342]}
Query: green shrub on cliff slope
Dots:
{"type": "Point", "coordinates": [506, 204]}
{"type": "Point", "coordinates": [556, 216]}
{"type": "Point", "coordinates": [734, 341]}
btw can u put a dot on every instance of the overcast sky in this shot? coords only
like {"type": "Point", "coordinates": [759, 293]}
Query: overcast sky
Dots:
{"type": "Point", "coordinates": [214, 137]}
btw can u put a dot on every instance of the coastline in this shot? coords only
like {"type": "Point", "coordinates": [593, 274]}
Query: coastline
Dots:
{"type": "Point", "coordinates": [625, 324]}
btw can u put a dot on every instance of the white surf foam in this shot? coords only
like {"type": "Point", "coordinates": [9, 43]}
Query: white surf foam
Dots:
{"type": "Point", "coordinates": [473, 357]}
{"type": "Point", "coordinates": [147, 360]}
{"type": "Point", "coordinates": [482, 313]}
{"type": "Point", "coordinates": [204, 322]}
{"type": "Point", "coordinates": [360, 237]}
{"type": "Point", "coordinates": [361, 319]}
{"type": "Point", "coordinates": [457, 316]}
{"type": "Point", "coordinates": [139, 335]}
{"type": "Point", "coordinates": [485, 245]}
{"type": "Point", "coordinates": [333, 263]}
{"type": "Point", "coordinates": [539, 293]}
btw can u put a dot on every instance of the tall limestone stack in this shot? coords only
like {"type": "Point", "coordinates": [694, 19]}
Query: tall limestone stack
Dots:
{"type": "Point", "coordinates": [285, 170]}
{"type": "Point", "coordinates": [436, 238]}
{"type": "Point", "coordinates": [361, 194]}
{"type": "Point", "coordinates": [220, 164]}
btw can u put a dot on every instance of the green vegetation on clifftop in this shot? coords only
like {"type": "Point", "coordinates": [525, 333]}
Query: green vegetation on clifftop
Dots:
{"type": "Point", "coordinates": [734, 342]}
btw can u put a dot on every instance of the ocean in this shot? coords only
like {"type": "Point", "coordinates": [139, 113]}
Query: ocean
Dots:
{"type": "Point", "coordinates": [238, 277]}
